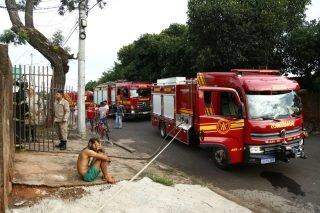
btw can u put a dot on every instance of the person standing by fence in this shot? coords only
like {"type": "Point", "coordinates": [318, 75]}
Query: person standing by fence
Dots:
{"type": "Point", "coordinates": [33, 115]}
{"type": "Point", "coordinates": [61, 116]}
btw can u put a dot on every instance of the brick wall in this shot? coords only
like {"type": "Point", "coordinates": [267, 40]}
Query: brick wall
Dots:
{"type": "Point", "coordinates": [6, 128]}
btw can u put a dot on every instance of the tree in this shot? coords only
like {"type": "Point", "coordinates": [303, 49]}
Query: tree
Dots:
{"type": "Point", "coordinates": [302, 51]}
{"type": "Point", "coordinates": [91, 85]}
{"type": "Point", "coordinates": [237, 33]}
{"type": "Point", "coordinates": [154, 56]}
{"type": "Point", "coordinates": [51, 50]}
{"type": "Point", "coordinates": [56, 55]}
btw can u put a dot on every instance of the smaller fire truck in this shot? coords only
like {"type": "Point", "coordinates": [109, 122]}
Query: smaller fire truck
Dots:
{"type": "Point", "coordinates": [243, 116]}
{"type": "Point", "coordinates": [135, 97]}
{"type": "Point", "coordinates": [72, 97]}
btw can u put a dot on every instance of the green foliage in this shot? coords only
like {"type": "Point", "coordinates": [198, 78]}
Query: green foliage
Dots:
{"type": "Point", "coordinates": [71, 5]}
{"type": "Point", "coordinates": [154, 56]}
{"type": "Point", "coordinates": [91, 85]}
{"type": "Point", "coordinates": [236, 33]}
{"type": "Point", "coordinates": [225, 34]}
{"type": "Point", "coordinates": [8, 36]}
{"type": "Point", "coordinates": [302, 50]}
{"type": "Point", "coordinates": [162, 180]}
{"type": "Point", "coordinates": [57, 38]}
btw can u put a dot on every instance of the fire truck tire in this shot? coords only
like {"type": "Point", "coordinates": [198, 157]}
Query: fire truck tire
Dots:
{"type": "Point", "coordinates": [220, 158]}
{"type": "Point", "coordinates": [163, 132]}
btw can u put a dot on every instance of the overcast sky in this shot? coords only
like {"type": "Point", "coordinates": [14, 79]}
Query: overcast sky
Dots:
{"type": "Point", "coordinates": [120, 23]}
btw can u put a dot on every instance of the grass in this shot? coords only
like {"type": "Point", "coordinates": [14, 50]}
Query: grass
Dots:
{"type": "Point", "coordinates": [162, 180]}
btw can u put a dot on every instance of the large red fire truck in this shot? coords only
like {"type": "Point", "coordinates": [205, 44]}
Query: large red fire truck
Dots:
{"type": "Point", "coordinates": [135, 97]}
{"type": "Point", "coordinates": [244, 116]}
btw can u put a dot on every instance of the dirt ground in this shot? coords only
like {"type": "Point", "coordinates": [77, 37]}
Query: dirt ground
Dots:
{"type": "Point", "coordinates": [24, 195]}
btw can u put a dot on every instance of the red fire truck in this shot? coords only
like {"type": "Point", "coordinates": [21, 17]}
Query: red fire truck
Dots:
{"type": "Point", "coordinates": [135, 97]}
{"type": "Point", "coordinates": [243, 116]}
{"type": "Point", "coordinates": [72, 97]}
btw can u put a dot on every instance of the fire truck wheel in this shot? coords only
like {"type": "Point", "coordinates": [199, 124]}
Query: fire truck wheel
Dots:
{"type": "Point", "coordinates": [220, 158]}
{"type": "Point", "coordinates": [163, 131]}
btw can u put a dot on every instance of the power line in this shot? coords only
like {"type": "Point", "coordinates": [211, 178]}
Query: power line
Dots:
{"type": "Point", "coordinates": [70, 33]}
{"type": "Point", "coordinates": [99, 1]}
{"type": "Point", "coordinates": [37, 8]}
{"type": "Point", "coordinates": [23, 54]}
{"type": "Point", "coordinates": [76, 24]}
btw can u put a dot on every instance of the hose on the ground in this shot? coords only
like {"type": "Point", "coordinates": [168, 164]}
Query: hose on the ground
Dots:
{"type": "Point", "coordinates": [157, 150]}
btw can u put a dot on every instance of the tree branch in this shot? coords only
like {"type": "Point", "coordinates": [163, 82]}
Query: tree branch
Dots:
{"type": "Point", "coordinates": [13, 13]}
{"type": "Point", "coordinates": [29, 14]}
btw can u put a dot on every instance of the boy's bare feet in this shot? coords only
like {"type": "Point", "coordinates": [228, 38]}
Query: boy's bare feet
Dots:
{"type": "Point", "coordinates": [109, 179]}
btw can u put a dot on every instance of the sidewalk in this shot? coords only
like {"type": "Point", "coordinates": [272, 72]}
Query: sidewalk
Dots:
{"type": "Point", "coordinates": [142, 196]}
{"type": "Point", "coordinates": [58, 168]}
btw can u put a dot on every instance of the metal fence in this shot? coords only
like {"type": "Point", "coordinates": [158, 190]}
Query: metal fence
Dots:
{"type": "Point", "coordinates": [33, 99]}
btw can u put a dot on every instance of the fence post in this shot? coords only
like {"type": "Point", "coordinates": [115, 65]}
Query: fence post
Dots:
{"type": "Point", "coordinates": [6, 128]}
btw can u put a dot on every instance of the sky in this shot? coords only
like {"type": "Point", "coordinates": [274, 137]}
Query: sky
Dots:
{"type": "Point", "coordinates": [118, 24]}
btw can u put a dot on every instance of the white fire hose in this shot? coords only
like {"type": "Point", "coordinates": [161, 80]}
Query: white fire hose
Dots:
{"type": "Point", "coordinates": [144, 168]}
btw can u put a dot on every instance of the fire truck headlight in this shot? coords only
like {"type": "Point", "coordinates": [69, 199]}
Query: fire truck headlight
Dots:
{"type": "Point", "coordinates": [255, 150]}
{"type": "Point", "coordinates": [132, 111]}
{"type": "Point", "coordinates": [301, 142]}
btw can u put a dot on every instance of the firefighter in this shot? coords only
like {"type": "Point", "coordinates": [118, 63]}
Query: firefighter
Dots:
{"type": "Point", "coordinates": [61, 116]}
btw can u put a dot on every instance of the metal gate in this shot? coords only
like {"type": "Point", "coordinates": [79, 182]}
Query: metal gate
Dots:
{"type": "Point", "coordinates": [33, 108]}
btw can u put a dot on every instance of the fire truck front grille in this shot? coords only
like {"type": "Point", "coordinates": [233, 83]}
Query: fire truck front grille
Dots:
{"type": "Point", "coordinates": [275, 135]}
{"type": "Point", "coordinates": [271, 149]}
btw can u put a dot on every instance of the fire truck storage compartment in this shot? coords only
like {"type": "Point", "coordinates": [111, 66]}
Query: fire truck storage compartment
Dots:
{"type": "Point", "coordinates": [168, 106]}
{"type": "Point", "coordinates": [165, 108]}
{"type": "Point", "coordinates": [156, 103]}
{"type": "Point", "coordinates": [100, 95]}
{"type": "Point", "coordinates": [113, 95]}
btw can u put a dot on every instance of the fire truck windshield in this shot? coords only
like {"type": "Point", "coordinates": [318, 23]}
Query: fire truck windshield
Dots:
{"type": "Point", "coordinates": [273, 106]}
{"type": "Point", "coordinates": [136, 93]}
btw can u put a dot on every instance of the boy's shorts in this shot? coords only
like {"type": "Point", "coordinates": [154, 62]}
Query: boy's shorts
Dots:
{"type": "Point", "coordinates": [91, 174]}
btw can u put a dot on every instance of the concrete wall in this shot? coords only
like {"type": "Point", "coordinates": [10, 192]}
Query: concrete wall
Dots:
{"type": "Point", "coordinates": [311, 109]}
{"type": "Point", "coordinates": [6, 128]}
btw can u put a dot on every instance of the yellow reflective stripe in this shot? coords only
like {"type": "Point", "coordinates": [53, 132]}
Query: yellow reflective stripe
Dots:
{"type": "Point", "coordinates": [237, 125]}
{"type": "Point", "coordinates": [208, 128]}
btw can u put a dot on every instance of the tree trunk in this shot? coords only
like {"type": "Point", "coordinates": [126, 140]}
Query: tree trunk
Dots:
{"type": "Point", "coordinates": [56, 55]}
{"type": "Point", "coordinates": [59, 76]}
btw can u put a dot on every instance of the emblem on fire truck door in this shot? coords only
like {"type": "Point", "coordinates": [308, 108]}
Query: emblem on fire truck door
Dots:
{"type": "Point", "coordinates": [223, 126]}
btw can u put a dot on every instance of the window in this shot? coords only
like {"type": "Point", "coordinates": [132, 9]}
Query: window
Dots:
{"type": "Point", "coordinates": [228, 106]}
{"type": "Point", "coordinates": [207, 98]}
{"type": "Point", "coordinates": [134, 93]}
{"type": "Point", "coordinates": [267, 106]}
{"type": "Point", "coordinates": [208, 103]}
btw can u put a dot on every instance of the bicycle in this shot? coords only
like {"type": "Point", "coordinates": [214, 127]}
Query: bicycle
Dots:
{"type": "Point", "coordinates": [102, 129]}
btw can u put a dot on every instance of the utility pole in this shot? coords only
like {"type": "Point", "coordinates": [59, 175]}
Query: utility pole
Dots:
{"type": "Point", "coordinates": [81, 69]}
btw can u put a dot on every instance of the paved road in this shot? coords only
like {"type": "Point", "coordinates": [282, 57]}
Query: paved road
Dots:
{"type": "Point", "coordinates": [297, 181]}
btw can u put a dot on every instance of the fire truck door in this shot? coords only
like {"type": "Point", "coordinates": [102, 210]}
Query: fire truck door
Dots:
{"type": "Point", "coordinates": [221, 120]}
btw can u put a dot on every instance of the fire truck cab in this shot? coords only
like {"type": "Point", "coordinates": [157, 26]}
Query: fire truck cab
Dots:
{"type": "Point", "coordinates": [244, 116]}
{"type": "Point", "coordinates": [135, 97]}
